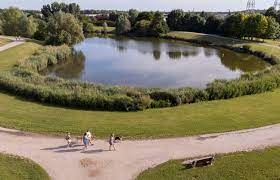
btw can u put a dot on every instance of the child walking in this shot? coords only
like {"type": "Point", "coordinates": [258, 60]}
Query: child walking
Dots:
{"type": "Point", "coordinates": [111, 142]}
{"type": "Point", "coordinates": [68, 139]}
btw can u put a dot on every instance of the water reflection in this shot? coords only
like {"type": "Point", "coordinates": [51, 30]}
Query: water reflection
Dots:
{"type": "Point", "coordinates": [151, 62]}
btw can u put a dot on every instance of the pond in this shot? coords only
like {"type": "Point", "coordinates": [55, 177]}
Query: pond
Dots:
{"type": "Point", "coordinates": [148, 62]}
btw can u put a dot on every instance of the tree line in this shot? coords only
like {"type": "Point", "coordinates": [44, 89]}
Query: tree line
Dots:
{"type": "Point", "coordinates": [237, 25]}
{"type": "Point", "coordinates": [60, 23]}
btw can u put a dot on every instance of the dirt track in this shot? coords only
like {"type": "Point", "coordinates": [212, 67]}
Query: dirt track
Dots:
{"type": "Point", "coordinates": [131, 157]}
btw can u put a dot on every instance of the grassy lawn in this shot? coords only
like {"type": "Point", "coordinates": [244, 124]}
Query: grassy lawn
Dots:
{"type": "Point", "coordinates": [14, 167]}
{"type": "Point", "coordinates": [207, 117]}
{"type": "Point", "coordinates": [100, 28]}
{"type": "Point", "coordinates": [256, 165]}
{"type": "Point", "coordinates": [11, 56]}
{"type": "Point", "coordinates": [4, 41]}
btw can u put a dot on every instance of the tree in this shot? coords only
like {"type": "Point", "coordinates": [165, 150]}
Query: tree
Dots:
{"type": "Point", "coordinates": [145, 16]}
{"type": "Point", "coordinates": [64, 28]}
{"type": "Point", "coordinates": [88, 28]}
{"type": "Point", "coordinates": [197, 23]}
{"type": "Point", "coordinates": [51, 9]}
{"type": "Point", "coordinates": [271, 12]}
{"type": "Point", "coordinates": [105, 28]}
{"type": "Point", "coordinates": [141, 28]}
{"type": "Point", "coordinates": [273, 29]}
{"type": "Point", "coordinates": [262, 25]}
{"type": "Point", "coordinates": [133, 14]}
{"type": "Point", "coordinates": [11, 18]}
{"type": "Point", "coordinates": [175, 19]}
{"type": "Point", "coordinates": [123, 25]}
{"type": "Point", "coordinates": [27, 26]}
{"type": "Point", "coordinates": [1, 26]}
{"type": "Point", "coordinates": [234, 25]}
{"type": "Point", "coordinates": [213, 25]}
{"type": "Point", "coordinates": [41, 33]}
{"type": "Point", "coordinates": [113, 16]}
{"type": "Point", "coordinates": [158, 25]}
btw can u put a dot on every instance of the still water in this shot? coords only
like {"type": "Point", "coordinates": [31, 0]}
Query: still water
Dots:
{"type": "Point", "coordinates": [148, 62]}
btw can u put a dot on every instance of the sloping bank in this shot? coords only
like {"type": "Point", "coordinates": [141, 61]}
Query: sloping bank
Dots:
{"type": "Point", "coordinates": [25, 81]}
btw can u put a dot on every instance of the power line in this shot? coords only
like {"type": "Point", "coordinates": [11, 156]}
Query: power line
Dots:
{"type": "Point", "coordinates": [251, 5]}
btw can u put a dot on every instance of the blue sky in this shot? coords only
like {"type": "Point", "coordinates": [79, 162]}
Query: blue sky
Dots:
{"type": "Point", "coordinates": [198, 5]}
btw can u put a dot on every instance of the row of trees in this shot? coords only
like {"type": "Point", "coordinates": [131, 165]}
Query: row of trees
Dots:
{"type": "Point", "coordinates": [141, 23]}
{"type": "Point", "coordinates": [62, 23]}
{"type": "Point", "coordinates": [238, 25]}
{"type": "Point", "coordinates": [59, 24]}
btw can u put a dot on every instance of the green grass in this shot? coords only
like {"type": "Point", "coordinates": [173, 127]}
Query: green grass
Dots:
{"type": "Point", "coordinates": [14, 167]}
{"type": "Point", "coordinates": [207, 117]}
{"type": "Point", "coordinates": [11, 56]}
{"type": "Point", "coordinates": [4, 41]}
{"type": "Point", "coordinates": [226, 41]}
{"type": "Point", "coordinates": [256, 165]}
{"type": "Point", "coordinates": [100, 28]}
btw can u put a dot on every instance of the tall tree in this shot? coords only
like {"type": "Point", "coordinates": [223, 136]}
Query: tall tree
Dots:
{"type": "Point", "coordinates": [27, 26]}
{"type": "Point", "coordinates": [11, 18]}
{"type": "Point", "coordinates": [175, 19]}
{"type": "Point", "coordinates": [234, 25]}
{"type": "Point", "coordinates": [271, 12]}
{"type": "Point", "coordinates": [273, 29]}
{"type": "Point", "coordinates": [158, 25]}
{"type": "Point", "coordinates": [213, 25]}
{"type": "Point", "coordinates": [123, 25]}
{"type": "Point", "coordinates": [133, 14]}
{"type": "Point", "coordinates": [51, 9]}
{"type": "Point", "coordinates": [64, 28]}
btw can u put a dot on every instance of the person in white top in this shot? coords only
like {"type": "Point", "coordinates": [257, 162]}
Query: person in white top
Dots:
{"type": "Point", "coordinates": [90, 137]}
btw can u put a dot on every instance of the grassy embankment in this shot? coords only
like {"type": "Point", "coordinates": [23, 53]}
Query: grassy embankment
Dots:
{"type": "Point", "coordinates": [14, 167]}
{"type": "Point", "coordinates": [99, 29]}
{"type": "Point", "coordinates": [271, 50]}
{"type": "Point", "coordinates": [4, 41]}
{"type": "Point", "coordinates": [207, 117]}
{"type": "Point", "coordinates": [257, 165]}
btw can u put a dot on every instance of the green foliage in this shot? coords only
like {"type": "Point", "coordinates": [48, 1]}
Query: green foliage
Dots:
{"type": "Point", "coordinates": [64, 28]}
{"type": "Point", "coordinates": [16, 23]}
{"type": "Point", "coordinates": [213, 25]}
{"type": "Point", "coordinates": [11, 18]}
{"type": "Point", "coordinates": [88, 28]}
{"type": "Point", "coordinates": [273, 29]}
{"type": "Point", "coordinates": [175, 19]}
{"type": "Point", "coordinates": [51, 9]}
{"type": "Point", "coordinates": [27, 26]}
{"type": "Point", "coordinates": [149, 16]}
{"type": "Point", "coordinates": [158, 25]}
{"type": "Point", "coordinates": [133, 14]}
{"type": "Point", "coordinates": [41, 33]}
{"type": "Point", "coordinates": [45, 57]}
{"type": "Point", "coordinates": [141, 28]}
{"type": "Point", "coordinates": [123, 24]}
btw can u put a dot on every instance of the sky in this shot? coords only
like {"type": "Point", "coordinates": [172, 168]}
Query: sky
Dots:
{"type": "Point", "coordinates": [166, 5]}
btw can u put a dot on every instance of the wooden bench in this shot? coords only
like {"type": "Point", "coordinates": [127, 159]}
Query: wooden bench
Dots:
{"type": "Point", "coordinates": [199, 162]}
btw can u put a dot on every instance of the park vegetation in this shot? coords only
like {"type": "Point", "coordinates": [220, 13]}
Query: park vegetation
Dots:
{"type": "Point", "coordinates": [64, 24]}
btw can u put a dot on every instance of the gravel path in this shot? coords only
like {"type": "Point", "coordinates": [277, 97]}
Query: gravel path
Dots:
{"type": "Point", "coordinates": [131, 157]}
{"type": "Point", "coordinates": [12, 44]}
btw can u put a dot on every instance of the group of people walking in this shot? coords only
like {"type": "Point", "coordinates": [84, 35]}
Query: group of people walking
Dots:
{"type": "Point", "coordinates": [88, 139]}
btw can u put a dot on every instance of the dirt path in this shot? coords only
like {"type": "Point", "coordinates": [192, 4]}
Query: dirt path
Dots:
{"type": "Point", "coordinates": [11, 44]}
{"type": "Point", "coordinates": [131, 157]}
